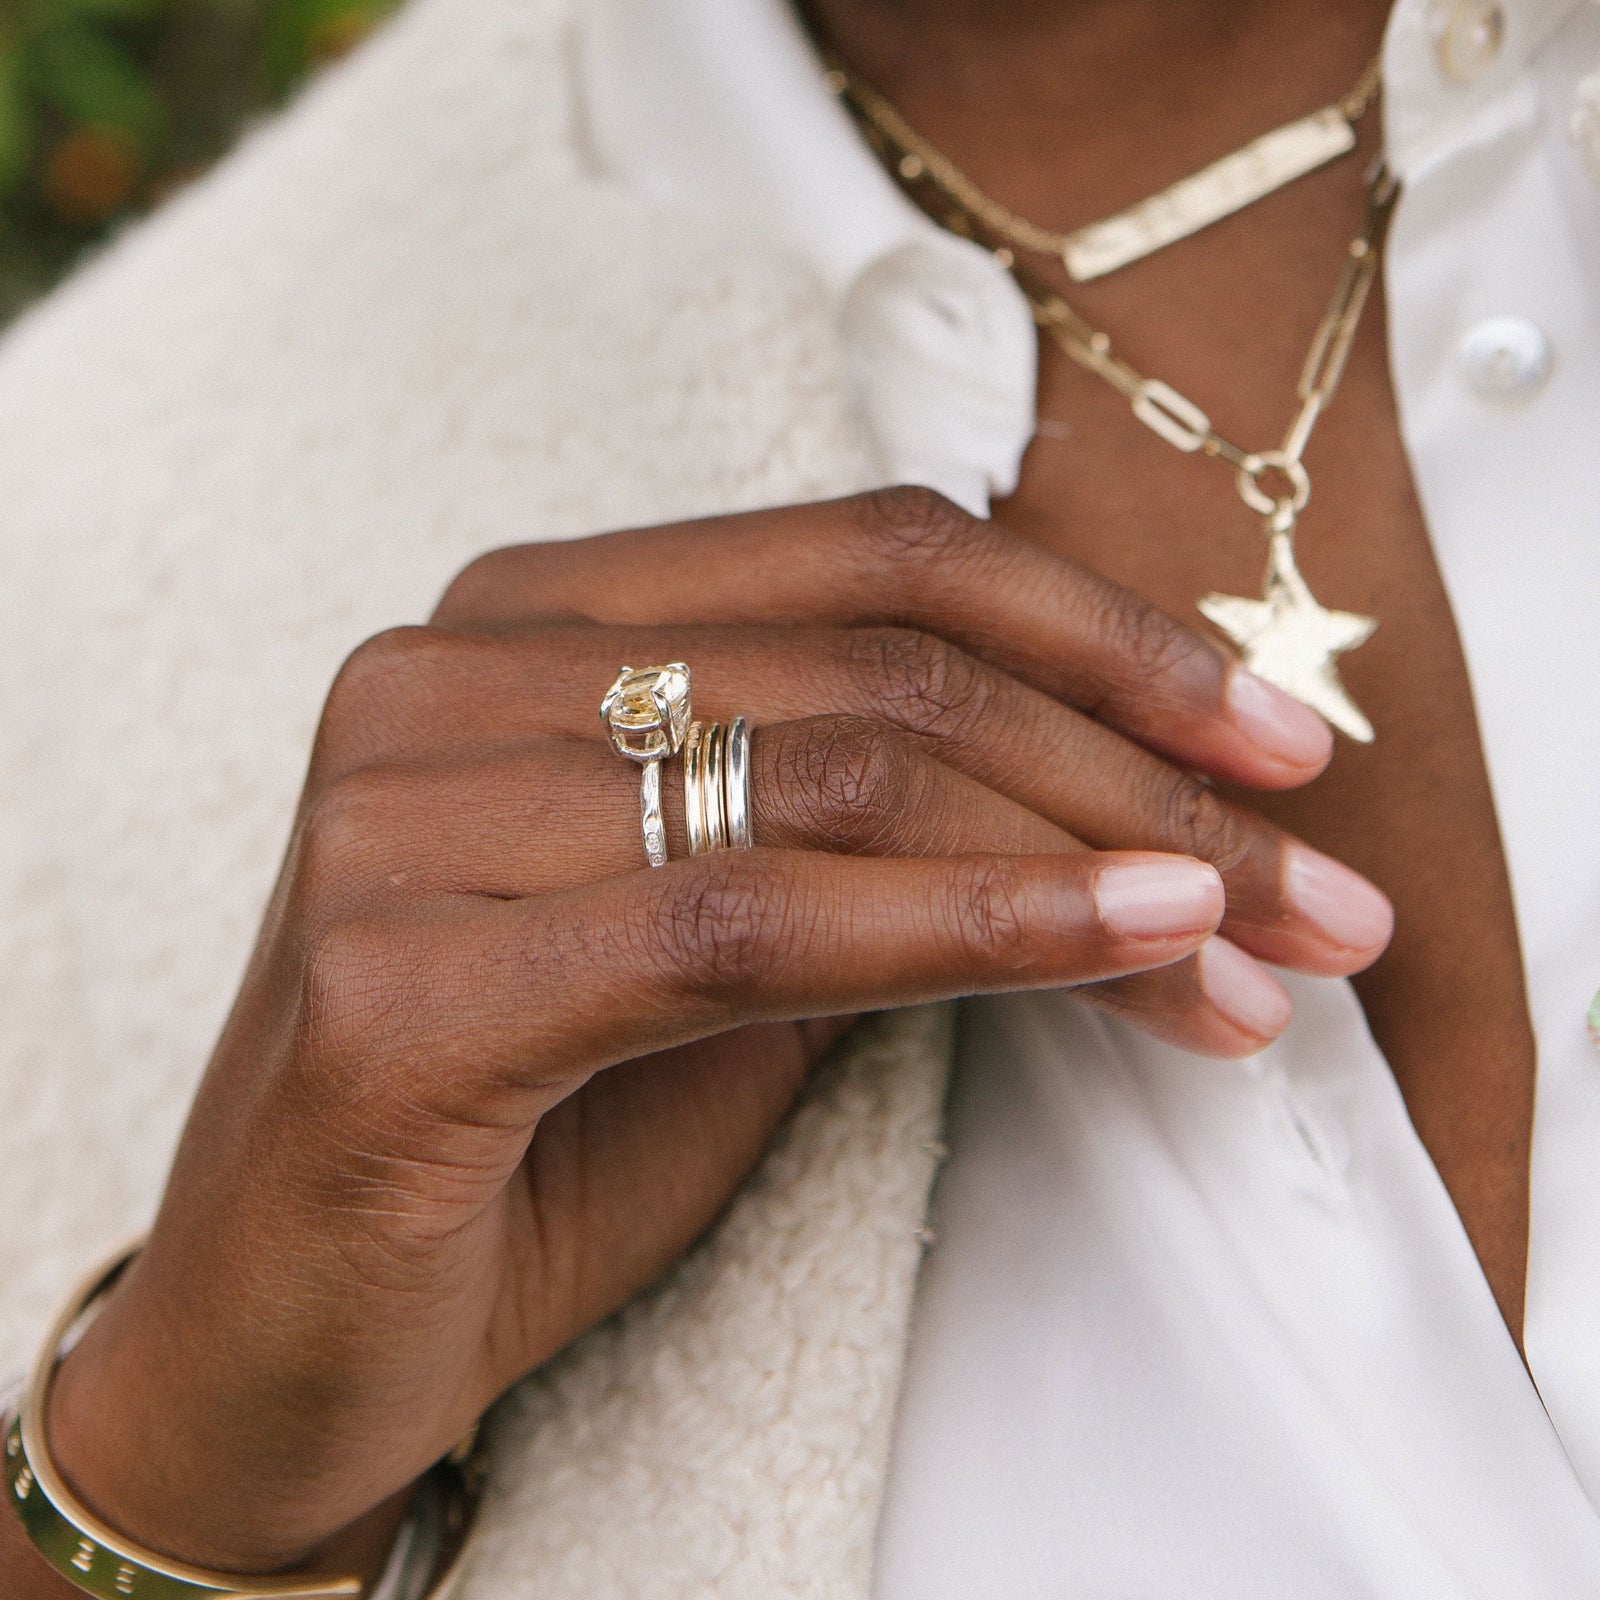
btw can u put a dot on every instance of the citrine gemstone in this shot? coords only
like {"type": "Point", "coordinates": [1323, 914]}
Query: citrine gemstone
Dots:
{"type": "Point", "coordinates": [646, 711]}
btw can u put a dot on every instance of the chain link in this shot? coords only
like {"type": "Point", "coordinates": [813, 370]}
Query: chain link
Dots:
{"type": "Point", "coordinates": [1358, 102]}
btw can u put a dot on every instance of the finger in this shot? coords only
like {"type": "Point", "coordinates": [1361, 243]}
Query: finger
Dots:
{"type": "Point", "coordinates": [557, 813]}
{"type": "Point", "coordinates": [1218, 1002]}
{"type": "Point", "coordinates": [1287, 903]}
{"type": "Point", "coordinates": [523, 999]}
{"type": "Point", "coordinates": [910, 557]}
{"type": "Point", "coordinates": [566, 813]}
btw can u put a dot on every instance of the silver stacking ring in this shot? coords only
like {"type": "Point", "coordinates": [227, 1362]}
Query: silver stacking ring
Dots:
{"type": "Point", "coordinates": [716, 786]}
{"type": "Point", "coordinates": [737, 784]}
{"type": "Point", "coordinates": [646, 716]}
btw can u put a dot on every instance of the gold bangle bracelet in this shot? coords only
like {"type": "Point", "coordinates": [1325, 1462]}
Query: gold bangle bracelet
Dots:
{"type": "Point", "coordinates": [94, 1558]}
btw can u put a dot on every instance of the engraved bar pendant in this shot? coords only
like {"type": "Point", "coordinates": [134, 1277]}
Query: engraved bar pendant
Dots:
{"type": "Point", "coordinates": [1207, 196]}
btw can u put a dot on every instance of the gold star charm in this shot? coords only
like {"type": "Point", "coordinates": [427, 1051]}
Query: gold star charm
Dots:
{"type": "Point", "coordinates": [1291, 641]}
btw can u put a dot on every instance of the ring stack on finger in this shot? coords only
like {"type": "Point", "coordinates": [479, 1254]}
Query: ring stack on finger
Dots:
{"type": "Point", "coordinates": [716, 786]}
{"type": "Point", "coordinates": [646, 715]}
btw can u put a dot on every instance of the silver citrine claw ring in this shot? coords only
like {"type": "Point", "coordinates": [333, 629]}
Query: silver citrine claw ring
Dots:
{"type": "Point", "coordinates": [646, 716]}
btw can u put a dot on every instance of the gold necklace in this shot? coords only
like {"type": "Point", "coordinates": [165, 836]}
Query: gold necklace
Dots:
{"type": "Point", "coordinates": [1229, 184]}
{"type": "Point", "coordinates": [1286, 636]}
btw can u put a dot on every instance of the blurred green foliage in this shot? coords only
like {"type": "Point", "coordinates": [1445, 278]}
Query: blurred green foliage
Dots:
{"type": "Point", "coordinates": [106, 106]}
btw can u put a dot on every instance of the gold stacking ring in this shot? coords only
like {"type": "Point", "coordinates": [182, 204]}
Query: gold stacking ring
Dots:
{"type": "Point", "coordinates": [646, 716]}
{"type": "Point", "coordinates": [694, 801]}
{"type": "Point", "coordinates": [716, 786]}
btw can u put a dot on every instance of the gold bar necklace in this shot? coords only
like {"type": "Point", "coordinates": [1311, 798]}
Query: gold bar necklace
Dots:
{"type": "Point", "coordinates": [1286, 636]}
{"type": "Point", "coordinates": [1227, 185]}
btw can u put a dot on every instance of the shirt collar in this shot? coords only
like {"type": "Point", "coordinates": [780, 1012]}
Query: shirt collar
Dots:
{"type": "Point", "coordinates": [720, 105]}
{"type": "Point", "coordinates": [1428, 113]}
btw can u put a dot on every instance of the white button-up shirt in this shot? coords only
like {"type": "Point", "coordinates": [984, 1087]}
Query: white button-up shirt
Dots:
{"type": "Point", "coordinates": [1193, 1328]}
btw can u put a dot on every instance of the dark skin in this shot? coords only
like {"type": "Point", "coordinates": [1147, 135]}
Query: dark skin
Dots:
{"type": "Point", "coordinates": [518, 1198]}
{"type": "Point", "coordinates": [1106, 101]}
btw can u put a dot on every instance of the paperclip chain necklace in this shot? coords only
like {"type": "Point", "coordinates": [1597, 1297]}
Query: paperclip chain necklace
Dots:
{"type": "Point", "coordinates": [1285, 636]}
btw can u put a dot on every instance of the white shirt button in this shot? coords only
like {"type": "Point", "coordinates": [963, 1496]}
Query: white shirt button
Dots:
{"type": "Point", "coordinates": [1506, 358]}
{"type": "Point", "coordinates": [1468, 35]}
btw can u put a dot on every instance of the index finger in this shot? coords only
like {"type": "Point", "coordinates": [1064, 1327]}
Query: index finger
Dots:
{"type": "Point", "coordinates": [909, 557]}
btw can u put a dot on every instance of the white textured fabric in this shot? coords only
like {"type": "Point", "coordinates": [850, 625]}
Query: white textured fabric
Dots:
{"type": "Point", "coordinates": [1201, 1328]}
{"type": "Point", "coordinates": [399, 327]}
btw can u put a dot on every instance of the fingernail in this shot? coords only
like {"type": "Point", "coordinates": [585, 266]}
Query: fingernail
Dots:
{"type": "Point", "coordinates": [1347, 909]}
{"type": "Point", "coordinates": [1276, 721]}
{"type": "Point", "coordinates": [1158, 896]}
{"type": "Point", "coordinates": [1243, 990]}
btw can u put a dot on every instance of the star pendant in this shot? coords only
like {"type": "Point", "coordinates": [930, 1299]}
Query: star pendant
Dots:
{"type": "Point", "coordinates": [1291, 641]}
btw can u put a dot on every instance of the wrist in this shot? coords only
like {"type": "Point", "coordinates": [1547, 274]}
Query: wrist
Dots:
{"type": "Point", "coordinates": [121, 1428]}
{"type": "Point", "coordinates": [133, 1458]}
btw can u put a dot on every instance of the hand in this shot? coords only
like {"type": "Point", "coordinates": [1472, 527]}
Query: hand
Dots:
{"type": "Point", "coordinates": [487, 1075]}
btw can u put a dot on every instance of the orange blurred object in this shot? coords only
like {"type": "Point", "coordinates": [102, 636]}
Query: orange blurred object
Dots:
{"type": "Point", "coordinates": [91, 174]}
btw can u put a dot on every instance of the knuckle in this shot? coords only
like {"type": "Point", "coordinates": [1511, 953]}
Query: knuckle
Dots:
{"type": "Point", "coordinates": [1147, 645]}
{"type": "Point", "coordinates": [920, 683]}
{"type": "Point", "coordinates": [378, 676]}
{"type": "Point", "coordinates": [910, 526]}
{"type": "Point", "coordinates": [356, 986]}
{"type": "Point", "coordinates": [375, 663]}
{"type": "Point", "coordinates": [1197, 822]}
{"type": "Point", "coordinates": [718, 931]}
{"type": "Point", "coordinates": [477, 585]}
{"type": "Point", "coordinates": [342, 833]}
{"type": "Point", "coordinates": [848, 780]}
{"type": "Point", "coordinates": [988, 915]}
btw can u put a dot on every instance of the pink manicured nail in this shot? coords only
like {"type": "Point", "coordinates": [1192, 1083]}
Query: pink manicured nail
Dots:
{"type": "Point", "coordinates": [1157, 897]}
{"type": "Point", "coordinates": [1348, 910]}
{"type": "Point", "coordinates": [1276, 721]}
{"type": "Point", "coordinates": [1243, 990]}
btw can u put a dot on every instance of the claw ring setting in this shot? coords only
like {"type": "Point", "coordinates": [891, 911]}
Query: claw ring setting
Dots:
{"type": "Point", "coordinates": [646, 716]}
{"type": "Point", "coordinates": [646, 711]}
